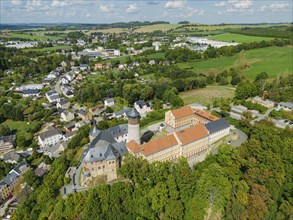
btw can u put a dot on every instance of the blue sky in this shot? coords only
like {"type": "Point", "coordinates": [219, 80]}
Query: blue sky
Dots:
{"type": "Point", "coordinates": [101, 11]}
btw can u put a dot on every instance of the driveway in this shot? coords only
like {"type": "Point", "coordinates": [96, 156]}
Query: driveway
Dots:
{"type": "Point", "coordinates": [242, 138]}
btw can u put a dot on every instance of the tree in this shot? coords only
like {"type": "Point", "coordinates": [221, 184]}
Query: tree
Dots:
{"type": "Point", "coordinates": [246, 90]}
{"type": "Point", "coordinates": [4, 130]}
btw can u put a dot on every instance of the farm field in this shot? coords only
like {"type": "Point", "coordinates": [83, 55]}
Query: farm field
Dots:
{"type": "Point", "coordinates": [273, 60]}
{"type": "Point", "coordinates": [29, 37]}
{"type": "Point", "coordinates": [207, 95]}
{"type": "Point", "coordinates": [161, 27]}
{"type": "Point", "coordinates": [46, 48]}
{"type": "Point", "coordinates": [238, 38]}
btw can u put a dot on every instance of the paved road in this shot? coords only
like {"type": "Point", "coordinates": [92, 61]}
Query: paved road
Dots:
{"type": "Point", "coordinates": [262, 116]}
{"type": "Point", "coordinates": [153, 127]}
{"type": "Point", "coordinates": [242, 138]}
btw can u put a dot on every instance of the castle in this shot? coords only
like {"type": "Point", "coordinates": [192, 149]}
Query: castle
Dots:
{"type": "Point", "coordinates": [105, 152]}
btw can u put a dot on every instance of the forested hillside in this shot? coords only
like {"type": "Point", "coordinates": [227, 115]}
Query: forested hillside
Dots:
{"type": "Point", "coordinates": [253, 181]}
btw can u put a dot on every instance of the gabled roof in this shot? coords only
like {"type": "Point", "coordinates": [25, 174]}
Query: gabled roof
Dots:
{"type": "Point", "coordinates": [216, 126]}
{"type": "Point", "coordinates": [205, 115]}
{"type": "Point", "coordinates": [118, 130]}
{"type": "Point", "coordinates": [158, 144]}
{"type": "Point", "coordinates": [51, 132]}
{"type": "Point", "coordinates": [182, 112]}
{"type": "Point", "coordinates": [134, 147]}
{"type": "Point", "coordinates": [192, 134]}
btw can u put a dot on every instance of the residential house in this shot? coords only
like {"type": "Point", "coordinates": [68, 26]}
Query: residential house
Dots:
{"type": "Point", "coordinates": [63, 103]}
{"type": "Point", "coordinates": [42, 169]}
{"type": "Point", "coordinates": [152, 62]}
{"type": "Point", "coordinates": [53, 96]}
{"type": "Point", "coordinates": [142, 107]}
{"type": "Point", "coordinates": [84, 114]}
{"type": "Point", "coordinates": [50, 137]}
{"type": "Point", "coordinates": [7, 143]}
{"type": "Point", "coordinates": [67, 115]}
{"type": "Point", "coordinates": [11, 179]}
{"type": "Point", "coordinates": [12, 157]}
{"type": "Point", "coordinates": [29, 87]}
{"type": "Point", "coordinates": [83, 67]}
{"type": "Point", "coordinates": [30, 93]}
{"type": "Point", "coordinates": [109, 102]}
{"type": "Point", "coordinates": [121, 113]}
{"type": "Point", "coordinates": [98, 66]}
{"type": "Point", "coordinates": [69, 135]}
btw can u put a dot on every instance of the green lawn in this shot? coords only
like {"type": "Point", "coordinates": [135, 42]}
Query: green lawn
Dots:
{"type": "Point", "coordinates": [207, 95]}
{"type": "Point", "coordinates": [46, 48]}
{"type": "Point", "coordinates": [273, 60]}
{"type": "Point", "coordinates": [17, 125]}
{"type": "Point", "coordinates": [238, 38]}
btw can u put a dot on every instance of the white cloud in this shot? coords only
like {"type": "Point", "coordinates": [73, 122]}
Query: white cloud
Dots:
{"type": "Point", "coordinates": [232, 6]}
{"type": "Point", "coordinates": [35, 4]}
{"type": "Point", "coordinates": [106, 8]}
{"type": "Point", "coordinates": [58, 3]}
{"type": "Point", "coordinates": [177, 4]}
{"type": "Point", "coordinates": [132, 8]}
{"type": "Point", "coordinates": [276, 6]}
{"type": "Point", "coordinates": [16, 2]}
{"type": "Point", "coordinates": [87, 15]}
{"type": "Point", "coordinates": [220, 4]}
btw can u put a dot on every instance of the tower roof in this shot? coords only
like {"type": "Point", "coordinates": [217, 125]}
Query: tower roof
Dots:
{"type": "Point", "coordinates": [133, 113]}
{"type": "Point", "coordinates": [94, 132]}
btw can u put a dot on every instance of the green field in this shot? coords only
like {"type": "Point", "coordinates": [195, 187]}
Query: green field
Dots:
{"type": "Point", "coordinates": [207, 95]}
{"type": "Point", "coordinates": [238, 38]}
{"type": "Point", "coordinates": [273, 60]}
{"type": "Point", "coordinates": [157, 27]}
{"type": "Point", "coordinates": [46, 48]}
{"type": "Point", "coordinates": [29, 37]}
{"type": "Point", "coordinates": [17, 125]}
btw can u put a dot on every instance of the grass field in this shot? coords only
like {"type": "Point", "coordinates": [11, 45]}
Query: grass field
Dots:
{"type": "Point", "coordinates": [46, 48]}
{"type": "Point", "coordinates": [238, 38]}
{"type": "Point", "coordinates": [207, 95]}
{"type": "Point", "coordinates": [29, 37]}
{"type": "Point", "coordinates": [273, 60]}
{"type": "Point", "coordinates": [155, 27]}
{"type": "Point", "coordinates": [17, 125]}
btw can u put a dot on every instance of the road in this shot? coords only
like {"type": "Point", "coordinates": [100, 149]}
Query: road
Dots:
{"type": "Point", "coordinates": [242, 138]}
{"type": "Point", "coordinates": [262, 116]}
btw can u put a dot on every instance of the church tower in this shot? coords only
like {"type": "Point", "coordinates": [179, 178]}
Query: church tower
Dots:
{"type": "Point", "coordinates": [133, 126]}
{"type": "Point", "coordinates": [93, 133]}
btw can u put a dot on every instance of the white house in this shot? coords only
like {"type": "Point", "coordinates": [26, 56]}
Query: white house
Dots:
{"type": "Point", "coordinates": [67, 116]}
{"type": "Point", "coordinates": [50, 137]}
{"type": "Point", "coordinates": [142, 107]}
{"type": "Point", "coordinates": [29, 87]}
{"type": "Point", "coordinates": [156, 45]}
{"type": "Point", "coordinates": [109, 102]}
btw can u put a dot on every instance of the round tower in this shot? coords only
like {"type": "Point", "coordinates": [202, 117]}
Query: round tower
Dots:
{"type": "Point", "coordinates": [133, 126]}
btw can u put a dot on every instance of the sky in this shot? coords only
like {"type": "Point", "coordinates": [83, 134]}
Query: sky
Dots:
{"type": "Point", "coordinates": [173, 11]}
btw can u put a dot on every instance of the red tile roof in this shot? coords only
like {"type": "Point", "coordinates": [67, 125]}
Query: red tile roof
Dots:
{"type": "Point", "coordinates": [159, 144]}
{"type": "Point", "coordinates": [205, 115]}
{"type": "Point", "coordinates": [192, 134]}
{"type": "Point", "coordinates": [134, 147]}
{"type": "Point", "coordinates": [182, 112]}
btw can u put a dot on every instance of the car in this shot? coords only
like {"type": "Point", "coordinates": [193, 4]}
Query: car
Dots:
{"type": "Point", "coordinates": [10, 197]}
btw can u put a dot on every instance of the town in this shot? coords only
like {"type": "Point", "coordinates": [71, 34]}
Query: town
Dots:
{"type": "Point", "coordinates": [189, 119]}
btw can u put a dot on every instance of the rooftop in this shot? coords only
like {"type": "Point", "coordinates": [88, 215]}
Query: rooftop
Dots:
{"type": "Point", "coordinates": [51, 132]}
{"type": "Point", "coordinates": [182, 112]}
{"type": "Point", "coordinates": [158, 144]}
{"type": "Point", "coordinates": [205, 115]}
{"type": "Point", "coordinates": [192, 134]}
{"type": "Point", "coordinates": [216, 126]}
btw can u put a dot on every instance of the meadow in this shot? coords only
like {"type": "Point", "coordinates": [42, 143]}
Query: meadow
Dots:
{"type": "Point", "coordinates": [157, 27]}
{"type": "Point", "coordinates": [207, 95]}
{"type": "Point", "coordinates": [238, 38]}
{"type": "Point", "coordinates": [46, 49]}
{"type": "Point", "coordinates": [29, 37]}
{"type": "Point", "coordinates": [18, 125]}
{"type": "Point", "coordinates": [273, 60]}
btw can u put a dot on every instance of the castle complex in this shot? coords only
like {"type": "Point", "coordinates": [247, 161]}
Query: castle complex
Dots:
{"type": "Point", "coordinates": [103, 156]}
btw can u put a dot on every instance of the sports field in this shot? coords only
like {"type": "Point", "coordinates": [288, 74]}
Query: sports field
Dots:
{"type": "Point", "coordinates": [273, 60]}
{"type": "Point", "coordinates": [207, 95]}
{"type": "Point", "coordinates": [238, 38]}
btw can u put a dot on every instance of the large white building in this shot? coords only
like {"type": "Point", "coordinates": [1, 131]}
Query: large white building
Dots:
{"type": "Point", "coordinates": [50, 137]}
